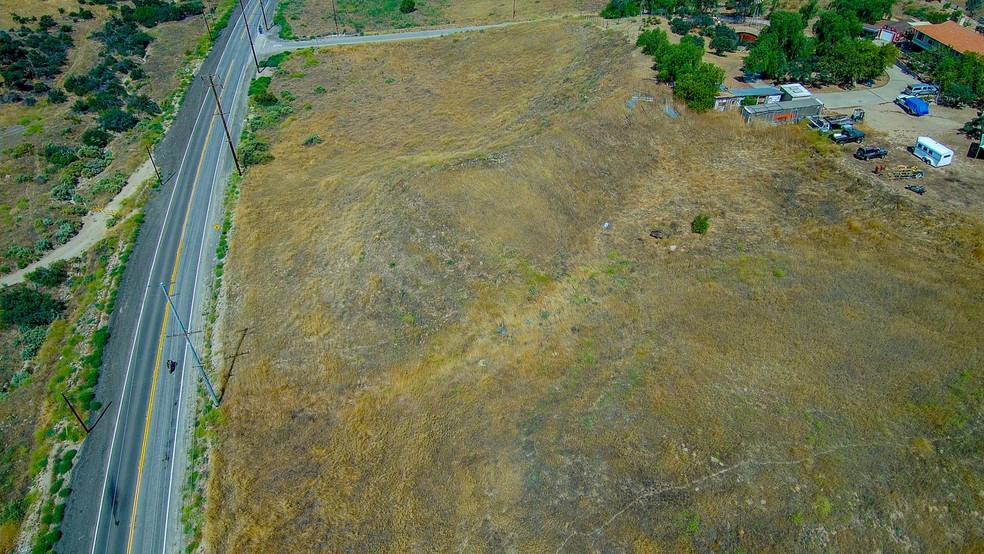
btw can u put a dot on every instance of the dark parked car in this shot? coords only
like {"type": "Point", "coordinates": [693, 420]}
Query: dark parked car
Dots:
{"type": "Point", "coordinates": [870, 153]}
{"type": "Point", "coordinates": [848, 134]}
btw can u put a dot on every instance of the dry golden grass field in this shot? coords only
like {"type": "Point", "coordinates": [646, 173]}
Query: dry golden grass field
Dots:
{"type": "Point", "coordinates": [462, 336]}
{"type": "Point", "coordinates": [315, 18]}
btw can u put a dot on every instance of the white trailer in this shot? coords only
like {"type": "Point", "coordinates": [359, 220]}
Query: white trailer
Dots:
{"type": "Point", "coordinates": [932, 152]}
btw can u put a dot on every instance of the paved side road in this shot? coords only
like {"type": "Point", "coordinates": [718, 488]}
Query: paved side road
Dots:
{"type": "Point", "coordinates": [860, 97]}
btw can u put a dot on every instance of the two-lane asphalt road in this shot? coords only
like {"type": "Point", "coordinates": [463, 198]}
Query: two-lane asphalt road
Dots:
{"type": "Point", "coordinates": [128, 481]}
{"type": "Point", "coordinates": [127, 484]}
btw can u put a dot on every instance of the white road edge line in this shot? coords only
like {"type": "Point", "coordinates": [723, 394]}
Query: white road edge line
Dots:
{"type": "Point", "coordinates": [133, 346]}
{"type": "Point", "coordinates": [112, 445]}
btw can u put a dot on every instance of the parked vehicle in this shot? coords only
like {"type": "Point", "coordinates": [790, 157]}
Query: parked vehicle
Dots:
{"type": "Point", "coordinates": [918, 189]}
{"type": "Point", "coordinates": [932, 152]}
{"type": "Point", "coordinates": [912, 105]}
{"type": "Point", "coordinates": [848, 134]}
{"type": "Point", "coordinates": [900, 172]}
{"type": "Point", "coordinates": [826, 123]}
{"type": "Point", "coordinates": [870, 152]}
{"type": "Point", "coordinates": [921, 89]}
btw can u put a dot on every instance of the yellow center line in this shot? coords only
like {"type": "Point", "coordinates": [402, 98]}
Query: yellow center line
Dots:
{"type": "Point", "coordinates": [160, 344]}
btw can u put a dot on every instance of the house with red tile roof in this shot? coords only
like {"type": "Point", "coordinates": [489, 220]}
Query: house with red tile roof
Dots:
{"type": "Point", "coordinates": [949, 34]}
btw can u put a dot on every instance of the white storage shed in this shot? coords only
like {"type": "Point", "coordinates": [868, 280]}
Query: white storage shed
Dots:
{"type": "Point", "coordinates": [934, 153]}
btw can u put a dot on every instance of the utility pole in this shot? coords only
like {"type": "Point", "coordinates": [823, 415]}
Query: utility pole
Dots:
{"type": "Point", "coordinates": [207, 26]}
{"type": "Point", "coordinates": [249, 36]}
{"type": "Point", "coordinates": [225, 126]}
{"type": "Point", "coordinates": [157, 171]}
{"type": "Point", "coordinates": [266, 23]}
{"type": "Point", "coordinates": [334, 12]}
{"type": "Point", "coordinates": [514, 9]}
{"type": "Point", "coordinates": [194, 353]}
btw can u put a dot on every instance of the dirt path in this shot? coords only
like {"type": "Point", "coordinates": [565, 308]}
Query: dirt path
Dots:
{"type": "Point", "coordinates": [93, 228]}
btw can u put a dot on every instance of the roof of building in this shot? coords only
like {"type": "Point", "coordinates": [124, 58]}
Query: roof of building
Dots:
{"type": "Point", "coordinates": [955, 36]}
{"type": "Point", "coordinates": [757, 91]}
{"type": "Point", "coordinates": [898, 26]}
{"type": "Point", "coordinates": [795, 90]}
{"type": "Point", "coordinates": [787, 105]}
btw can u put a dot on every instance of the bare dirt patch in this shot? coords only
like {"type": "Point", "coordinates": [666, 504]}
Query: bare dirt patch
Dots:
{"type": "Point", "coordinates": [464, 337]}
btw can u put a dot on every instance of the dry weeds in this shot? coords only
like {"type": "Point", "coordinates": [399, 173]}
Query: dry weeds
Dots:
{"type": "Point", "coordinates": [314, 18]}
{"type": "Point", "coordinates": [462, 337]}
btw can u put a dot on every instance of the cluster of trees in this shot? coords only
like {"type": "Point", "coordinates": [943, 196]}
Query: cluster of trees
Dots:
{"type": "Point", "coordinates": [621, 8]}
{"type": "Point", "coordinates": [723, 38]}
{"type": "Point", "coordinates": [28, 57]}
{"type": "Point", "coordinates": [835, 54]}
{"type": "Point", "coordinates": [695, 82]}
{"type": "Point", "coordinates": [961, 79]}
{"type": "Point", "coordinates": [150, 13]}
{"type": "Point", "coordinates": [630, 8]}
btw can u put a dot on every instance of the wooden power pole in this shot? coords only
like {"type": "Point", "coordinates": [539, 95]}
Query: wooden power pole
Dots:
{"type": "Point", "coordinates": [249, 37]}
{"type": "Point", "coordinates": [218, 104]}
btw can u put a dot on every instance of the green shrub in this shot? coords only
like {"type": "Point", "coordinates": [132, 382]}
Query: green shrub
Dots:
{"type": "Point", "coordinates": [312, 139]}
{"type": "Point", "coordinates": [57, 96]}
{"type": "Point", "coordinates": [407, 6]}
{"type": "Point", "coordinates": [700, 224]}
{"type": "Point", "coordinates": [15, 510]}
{"type": "Point", "coordinates": [255, 152]}
{"type": "Point", "coordinates": [112, 185]}
{"type": "Point", "coordinates": [60, 154]}
{"type": "Point", "coordinates": [117, 120]}
{"type": "Point", "coordinates": [258, 85]}
{"type": "Point", "coordinates": [265, 98]}
{"type": "Point", "coordinates": [275, 61]}
{"type": "Point", "coordinates": [680, 26]}
{"type": "Point", "coordinates": [51, 276]}
{"type": "Point", "coordinates": [26, 307]}
{"type": "Point", "coordinates": [31, 340]}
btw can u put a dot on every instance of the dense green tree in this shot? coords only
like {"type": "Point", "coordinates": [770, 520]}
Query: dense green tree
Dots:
{"type": "Point", "coordinates": [958, 94]}
{"type": "Point", "coordinates": [680, 26]}
{"type": "Point", "coordinates": [621, 8]}
{"type": "Point", "coordinates": [809, 10]}
{"type": "Point", "coordinates": [678, 59]}
{"type": "Point", "coordinates": [653, 42]}
{"type": "Point", "coordinates": [835, 26]}
{"type": "Point", "coordinates": [725, 39]}
{"type": "Point", "coordinates": [696, 40]}
{"type": "Point", "coordinates": [666, 7]}
{"type": "Point", "coordinates": [703, 6]}
{"type": "Point", "coordinates": [746, 8]}
{"type": "Point", "coordinates": [788, 28]}
{"type": "Point", "coordinates": [407, 6]}
{"type": "Point", "coordinates": [766, 58]}
{"type": "Point", "coordinates": [974, 5]}
{"type": "Point", "coordinates": [867, 11]}
{"type": "Point", "coordinates": [699, 86]}
{"type": "Point", "coordinates": [852, 60]}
